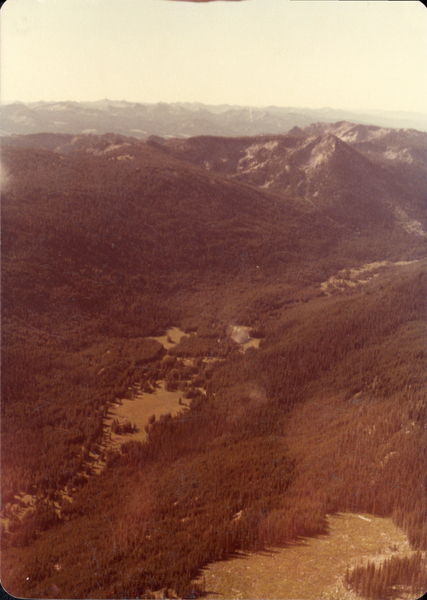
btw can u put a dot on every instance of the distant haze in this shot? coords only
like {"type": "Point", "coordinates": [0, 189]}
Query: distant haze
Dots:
{"type": "Point", "coordinates": [182, 119]}
{"type": "Point", "coordinates": [348, 55]}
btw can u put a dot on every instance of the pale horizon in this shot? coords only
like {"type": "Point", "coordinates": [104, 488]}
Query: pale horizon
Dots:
{"type": "Point", "coordinates": [242, 106]}
{"type": "Point", "coordinates": [350, 56]}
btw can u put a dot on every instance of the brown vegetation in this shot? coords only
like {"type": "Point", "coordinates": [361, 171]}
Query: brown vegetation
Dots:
{"type": "Point", "coordinates": [327, 415]}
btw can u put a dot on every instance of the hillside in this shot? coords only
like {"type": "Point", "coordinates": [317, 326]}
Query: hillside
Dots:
{"type": "Point", "coordinates": [356, 173]}
{"type": "Point", "coordinates": [123, 217]}
{"type": "Point", "coordinates": [298, 372]}
{"type": "Point", "coordinates": [95, 243]}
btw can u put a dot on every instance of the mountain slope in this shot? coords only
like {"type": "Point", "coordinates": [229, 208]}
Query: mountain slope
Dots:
{"type": "Point", "coordinates": [129, 204]}
{"type": "Point", "coordinates": [357, 173]}
{"type": "Point", "coordinates": [326, 416]}
{"type": "Point", "coordinates": [85, 214]}
{"type": "Point", "coordinates": [95, 243]}
{"type": "Point", "coordinates": [108, 241]}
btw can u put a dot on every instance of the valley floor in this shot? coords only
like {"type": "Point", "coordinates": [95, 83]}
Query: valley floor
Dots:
{"type": "Point", "coordinates": [312, 569]}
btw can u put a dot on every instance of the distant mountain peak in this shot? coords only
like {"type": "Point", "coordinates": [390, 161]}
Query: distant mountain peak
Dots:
{"type": "Point", "coordinates": [296, 131]}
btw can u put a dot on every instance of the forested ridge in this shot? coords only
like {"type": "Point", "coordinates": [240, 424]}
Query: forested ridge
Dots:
{"type": "Point", "coordinates": [100, 252]}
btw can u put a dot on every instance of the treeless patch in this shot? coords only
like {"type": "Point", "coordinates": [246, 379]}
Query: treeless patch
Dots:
{"type": "Point", "coordinates": [173, 336]}
{"type": "Point", "coordinates": [312, 568]}
{"type": "Point", "coordinates": [138, 410]}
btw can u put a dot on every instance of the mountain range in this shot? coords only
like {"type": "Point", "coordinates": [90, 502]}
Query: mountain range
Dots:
{"type": "Point", "coordinates": [182, 119]}
{"type": "Point", "coordinates": [356, 175]}
{"type": "Point", "coordinates": [335, 168]}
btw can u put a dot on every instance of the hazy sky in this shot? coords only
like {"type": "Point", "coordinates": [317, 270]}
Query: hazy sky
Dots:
{"type": "Point", "coordinates": [351, 55]}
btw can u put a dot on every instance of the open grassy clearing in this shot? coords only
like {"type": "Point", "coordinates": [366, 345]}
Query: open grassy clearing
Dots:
{"type": "Point", "coordinates": [138, 410]}
{"type": "Point", "coordinates": [238, 333]}
{"type": "Point", "coordinates": [172, 336]}
{"type": "Point", "coordinates": [310, 569]}
{"type": "Point", "coordinates": [252, 343]}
